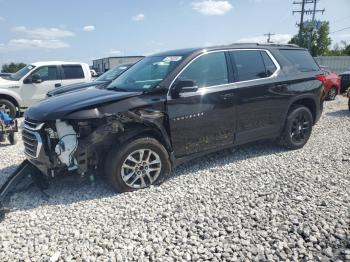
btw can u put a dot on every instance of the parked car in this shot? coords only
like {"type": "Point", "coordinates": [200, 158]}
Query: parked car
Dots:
{"type": "Point", "coordinates": [332, 84]}
{"type": "Point", "coordinates": [29, 85]}
{"type": "Point", "coordinates": [174, 106]}
{"type": "Point", "coordinates": [5, 74]}
{"type": "Point", "coordinates": [345, 81]}
{"type": "Point", "coordinates": [100, 82]}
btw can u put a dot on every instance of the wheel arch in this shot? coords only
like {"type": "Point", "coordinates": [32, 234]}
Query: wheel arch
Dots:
{"type": "Point", "coordinates": [307, 101]}
{"type": "Point", "coordinates": [10, 98]}
{"type": "Point", "coordinates": [135, 130]}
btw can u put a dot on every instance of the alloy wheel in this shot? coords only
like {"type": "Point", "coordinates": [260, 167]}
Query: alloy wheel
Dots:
{"type": "Point", "coordinates": [141, 168]}
{"type": "Point", "coordinates": [300, 128]}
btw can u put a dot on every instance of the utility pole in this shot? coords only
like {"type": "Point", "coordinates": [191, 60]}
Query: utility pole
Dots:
{"type": "Point", "coordinates": [302, 12]}
{"type": "Point", "coordinates": [269, 37]}
{"type": "Point", "coordinates": [309, 11]}
{"type": "Point", "coordinates": [314, 11]}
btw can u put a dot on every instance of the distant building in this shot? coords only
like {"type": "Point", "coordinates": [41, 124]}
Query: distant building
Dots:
{"type": "Point", "coordinates": [104, 64]}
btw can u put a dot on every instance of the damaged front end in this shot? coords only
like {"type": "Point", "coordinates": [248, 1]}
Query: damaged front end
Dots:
{"type": "Point", "coordinates": [81, 141]}
{"type": "Point", "coordinates": [56, 147]}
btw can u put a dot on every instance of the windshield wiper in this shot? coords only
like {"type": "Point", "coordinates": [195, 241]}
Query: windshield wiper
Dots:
{"type": "Point", "coordinates": [119, 89]}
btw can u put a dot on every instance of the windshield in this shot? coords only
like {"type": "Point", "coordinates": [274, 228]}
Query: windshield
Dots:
{"type": "Point", "coordinates": [146, 74]}
{"type": "Point", "coordinates": [20, 73]}
{"type": "Point", "coordinates": [113, 73]}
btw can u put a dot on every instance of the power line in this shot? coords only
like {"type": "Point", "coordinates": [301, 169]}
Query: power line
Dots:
{"type": "Point", "coordinates": [340, 30]}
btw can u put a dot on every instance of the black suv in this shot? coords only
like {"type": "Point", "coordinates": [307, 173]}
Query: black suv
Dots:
{"type": "Point", "coordinates": [174, 106]}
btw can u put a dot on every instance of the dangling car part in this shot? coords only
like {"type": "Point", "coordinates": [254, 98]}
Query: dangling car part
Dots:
{"type": "Point", "coordinates": [23, 171]}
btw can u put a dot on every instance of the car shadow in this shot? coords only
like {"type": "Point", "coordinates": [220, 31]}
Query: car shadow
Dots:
{"type": "Point", "coordinates": [340, 113]}
{"type": "Point", "coordinates": [72, 189]}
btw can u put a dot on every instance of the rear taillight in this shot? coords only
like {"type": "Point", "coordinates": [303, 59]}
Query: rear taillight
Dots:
{"type": "Point", "coordinates": [321, 78]}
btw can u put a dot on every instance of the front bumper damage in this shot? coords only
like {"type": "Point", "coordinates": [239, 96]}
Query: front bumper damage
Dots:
{"type": "Point", "coordinates": [65, 146]}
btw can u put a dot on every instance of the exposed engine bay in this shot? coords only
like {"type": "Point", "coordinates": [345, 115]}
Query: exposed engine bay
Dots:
{"type": "Point", "coordinates": [67, 144]}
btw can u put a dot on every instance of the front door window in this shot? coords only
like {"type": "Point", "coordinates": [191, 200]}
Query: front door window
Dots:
{"type": "Point", "coordinates": [207, 70]}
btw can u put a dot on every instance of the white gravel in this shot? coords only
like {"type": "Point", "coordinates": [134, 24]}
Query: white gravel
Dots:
{"type": "Point", "coordinates": [258, 202]}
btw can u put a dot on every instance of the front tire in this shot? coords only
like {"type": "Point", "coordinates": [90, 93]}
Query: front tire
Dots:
{"type": "Point", "coordinates": [8, 107]}
{"type": "Point", "coordinates": [298, 127]}
{"type": "Point", "coordinates": [137, 165]}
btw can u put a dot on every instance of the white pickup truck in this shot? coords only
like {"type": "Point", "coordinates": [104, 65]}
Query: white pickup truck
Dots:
{"type": "Point", "coordinates": [30, 85]}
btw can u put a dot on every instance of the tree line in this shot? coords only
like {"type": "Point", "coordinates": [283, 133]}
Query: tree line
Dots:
{"type": "Point", "coordinates": [319, 41]}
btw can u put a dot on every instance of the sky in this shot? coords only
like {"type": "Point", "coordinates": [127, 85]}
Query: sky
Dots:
{"type": "Point", "coordinates": [83, 30]}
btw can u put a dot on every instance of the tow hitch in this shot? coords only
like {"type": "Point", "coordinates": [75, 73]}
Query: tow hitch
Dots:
{"type": "Point", "coordinates": [25, 170]}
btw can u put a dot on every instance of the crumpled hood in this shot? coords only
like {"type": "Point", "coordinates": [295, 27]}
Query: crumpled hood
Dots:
{"type": "Point", "coordinates": [74, 87]}
{"type": "Point", "coordinates": [57, 107]}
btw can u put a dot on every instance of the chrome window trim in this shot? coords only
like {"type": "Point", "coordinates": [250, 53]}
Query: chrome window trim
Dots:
{"type": "Point", "coordinates": [219, 87]}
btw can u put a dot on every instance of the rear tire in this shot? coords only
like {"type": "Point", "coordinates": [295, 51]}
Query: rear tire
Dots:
{"type": "Point", "coordinates": [137, 164]}
{"type": "Point", "coordinates": [332, 93]}
{"type": "Point", "coordinates": [8, 107]}
{"type": "Point", "coordinates": [298, 127]}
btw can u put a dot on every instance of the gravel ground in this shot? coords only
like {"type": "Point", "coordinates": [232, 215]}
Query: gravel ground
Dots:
{"type": "Point", "coordinates": [258, 202]}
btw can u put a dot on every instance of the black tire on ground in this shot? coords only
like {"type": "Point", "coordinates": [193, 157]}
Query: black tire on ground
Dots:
{"type": "Point", "coordinates": [12, 138]}
{"type": "Point", "coordinates": [9, 107]}
{"type": "Point", "coordinates": [298, 127]}
{"type": "Point", "coordinates": [332, 93]}
{"type": "Point", "coordinates": [117, 163]}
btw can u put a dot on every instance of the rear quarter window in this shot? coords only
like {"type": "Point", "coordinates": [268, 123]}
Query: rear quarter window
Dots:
{"type": "Point", "coordinates": [301, 59]}
{"type": "Point", "coordinates": [269, 65]}
{"type": "Point", "coordinates": [72, 72]}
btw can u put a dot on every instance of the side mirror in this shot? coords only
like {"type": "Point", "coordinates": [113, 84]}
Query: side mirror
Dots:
{"type": "Point", "coordinates": [183, 86]}
{"type": "Point", "coordinates": [36, 79]}
{"type": "Point", "coordinates": [27, 80]}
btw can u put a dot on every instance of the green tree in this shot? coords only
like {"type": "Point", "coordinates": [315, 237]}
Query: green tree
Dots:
{"type": "Point", "coordinates": [12, 67]}
{"type": "Point", "coordinates": [347, 50]}
{"type": "Point", "coordinates": [341, 49]}
{"type": "Point", "coordinates": [320, 40]}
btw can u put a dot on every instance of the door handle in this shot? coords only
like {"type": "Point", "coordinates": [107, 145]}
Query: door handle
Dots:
{"type": "Point", "coordinates": [57, 85]}
{"type": "Point", "coordinates": [281, 86]}
{"type": "Point", "coordinates": [227, 96]}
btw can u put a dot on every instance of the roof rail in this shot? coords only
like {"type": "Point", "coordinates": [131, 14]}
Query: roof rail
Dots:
{"type": "Point", "coordinates": [261, 44]}
{"type": "Point", "coordinates": [276, 44]}
{"type": "Point", "coordinates": [244, 43]}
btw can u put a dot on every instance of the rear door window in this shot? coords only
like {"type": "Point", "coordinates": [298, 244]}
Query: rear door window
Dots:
{"type": "Point", "coordinates": [249, 64]}
{"type": "Point", "coordinates": [301, 59]}
{"type": "Point", "coordinates": [207, 70]}
{"type": "Point", "coordinates": [72, 72]}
